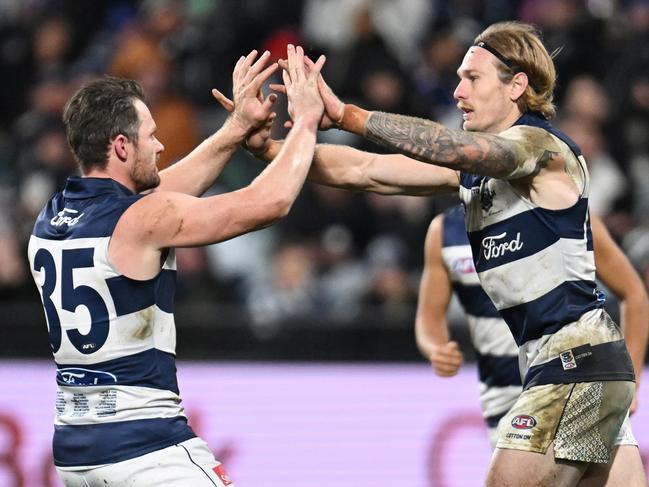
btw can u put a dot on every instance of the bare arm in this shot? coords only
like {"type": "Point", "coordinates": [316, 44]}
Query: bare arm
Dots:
{"type": "Point", "coordinates": [617, 273]}
{"type": "Point", "coordinates": [349, 168]}
{"type": "Point", "coordinates": [168, 219]}
{"type": "Point", "coordinates": [431, 142]}
{"type": "Point", "coordinates": [196, 172]}
{"type": "Point", "coordinates": [431, 329]}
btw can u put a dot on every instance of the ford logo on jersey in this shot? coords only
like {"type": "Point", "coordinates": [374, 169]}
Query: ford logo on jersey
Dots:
{"type": "Point", "coordinates": [496, 245]}
{"type": "Point", "coordinates": [63, 218]}
{"type": "Point", "coordinates": [523, 422]}
{"type": "Point", "coordinates": [84, 377]}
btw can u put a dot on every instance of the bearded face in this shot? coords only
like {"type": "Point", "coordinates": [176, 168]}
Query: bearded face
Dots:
{"type": "Point", "coordinates": [144, 171]}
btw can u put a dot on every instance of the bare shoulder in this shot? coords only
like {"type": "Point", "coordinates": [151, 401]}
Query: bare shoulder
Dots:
{"type": "Point", "coordinates": [141, 231]}
{"type": "Point", "coordinates": [537, 149]}
{"type": "Point", "coordinates": [532, 138]}
{"type": "Point", "coordinates": [157, 209]}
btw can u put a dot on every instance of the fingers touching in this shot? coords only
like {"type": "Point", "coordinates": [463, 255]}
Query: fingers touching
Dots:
{"type": "Point", "coordinates": [300, 75]}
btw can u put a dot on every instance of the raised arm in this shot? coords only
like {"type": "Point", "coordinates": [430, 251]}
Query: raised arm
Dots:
{"type": "Point", "coordinates": [196, 172]}
{"type": "Point", "coordinates": [350, 168]}
{"type": "Point", "coordinates": [472, 152]}
{"type": "Point", "coordinates": [431, 142]}
{"type": "Point", "coordinates": [169, 219]}
{"type": "Point", "coordinates": [617, 273]}
{"type": "Point", "coordinates": [431, 330]}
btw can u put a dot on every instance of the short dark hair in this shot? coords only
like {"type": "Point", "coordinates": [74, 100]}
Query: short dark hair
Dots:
{"type": "Point", "coordinates": [97, 113]}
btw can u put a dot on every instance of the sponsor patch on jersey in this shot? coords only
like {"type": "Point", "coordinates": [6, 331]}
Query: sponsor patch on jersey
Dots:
{"type": "Point", "coordinates": [463, 265]}
{"type": "Point", "coordinates": [495, 246]}
{"type": "Point", "coordinates": [72, 376]}
{"type": "Point", "coordinates": [523, 422]}
{"type": "Point", "coordinates": [568, 360]}
{"type": "Point", "coordinates": [66, 217]}
{"type": "Point", "coordinates": [220, 473]}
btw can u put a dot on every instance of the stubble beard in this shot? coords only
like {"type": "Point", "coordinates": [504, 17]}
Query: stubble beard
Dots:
{"type": "Point", "coordinates": [145, 175]}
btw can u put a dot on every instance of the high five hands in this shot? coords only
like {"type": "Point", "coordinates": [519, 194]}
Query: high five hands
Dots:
{"type": "Point", "coordinates": [248, 107]}
{"type": "Point", "coordinates": [299, 74]}
{"type": "Point", "coordinates": [333, 107]}
{"type": "Point", "coordinates": [301, 86]}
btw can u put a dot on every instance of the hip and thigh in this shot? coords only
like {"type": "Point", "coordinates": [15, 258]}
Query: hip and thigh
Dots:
{"type": "Point", "coordinates": [188, 463]}
{"type": "Point", "coordinates": [554, 432]}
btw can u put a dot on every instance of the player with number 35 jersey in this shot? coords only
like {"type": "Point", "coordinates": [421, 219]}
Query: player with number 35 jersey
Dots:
{"type": "Point", "coordinates": [102, 256]}
{"type": "Point", "coordinates": [113, 338]}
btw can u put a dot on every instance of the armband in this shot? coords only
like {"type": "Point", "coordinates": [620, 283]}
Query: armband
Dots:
{"type": "Point", "coordinates": [354, 119]}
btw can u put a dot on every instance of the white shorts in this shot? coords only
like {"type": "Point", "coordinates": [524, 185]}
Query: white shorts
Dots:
{"type": "Point", "coordinates": [190, 463]}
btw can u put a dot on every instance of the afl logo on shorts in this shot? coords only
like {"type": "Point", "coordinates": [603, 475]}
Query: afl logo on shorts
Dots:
{"type": "Point", "coordinates": [523, 422]}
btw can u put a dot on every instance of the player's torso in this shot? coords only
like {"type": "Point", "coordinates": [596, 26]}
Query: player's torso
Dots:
{"type": "Point", "coordinates": [537, 266]}
{"type": "Point", "coordinates": [94, 313]}
{"type": "Point", "coordinates": [113, 338]}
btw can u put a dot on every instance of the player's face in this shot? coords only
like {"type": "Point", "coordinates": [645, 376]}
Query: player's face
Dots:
{"type": "Point", "coordinates": [484, 99]}
{"type": "Point", "coordinates": [144, 171]}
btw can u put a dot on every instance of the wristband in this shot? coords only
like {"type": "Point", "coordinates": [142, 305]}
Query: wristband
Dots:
{"type": "Point", "coordinates": [354, 119]}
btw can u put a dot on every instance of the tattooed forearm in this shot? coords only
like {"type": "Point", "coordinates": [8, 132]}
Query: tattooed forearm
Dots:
{"type": "Point", "coordinates": [427, 141]}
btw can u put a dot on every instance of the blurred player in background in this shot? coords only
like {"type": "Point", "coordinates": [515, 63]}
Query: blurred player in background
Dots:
{"type": "Point", "coordinates": [102, 256]}
{"type": "Point", "coordinates": [525, 187]}
{"type": "Point", "coordinates": [449, 268]}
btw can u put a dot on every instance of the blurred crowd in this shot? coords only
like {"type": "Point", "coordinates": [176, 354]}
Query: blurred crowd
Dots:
{"type": "Point", "coordinates": [337, 252]}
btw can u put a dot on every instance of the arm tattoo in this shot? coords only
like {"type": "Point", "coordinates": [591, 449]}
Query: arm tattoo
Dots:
{"type": "Point", "coordinates": [426, 141]}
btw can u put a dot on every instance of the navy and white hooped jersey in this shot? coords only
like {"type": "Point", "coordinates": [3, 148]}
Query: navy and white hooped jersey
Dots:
{"type": "Point", "coordinates": [496, 350]}
{"type": "Point", "coordinates": [113, 338]}
{"type": "Point", "coordinates": [538, 268]}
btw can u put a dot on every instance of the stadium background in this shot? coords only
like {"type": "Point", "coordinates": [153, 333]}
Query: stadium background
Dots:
{"type": "Point", "coordinates": [307, 325]}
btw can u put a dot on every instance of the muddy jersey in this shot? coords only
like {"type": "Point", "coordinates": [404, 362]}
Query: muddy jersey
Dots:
{"type": "Point", "coordinates": [538, 268]}
{"type": "Point", "coordinates": [113, 338]}
{"type": "Point", "coordinates": [496, 350]}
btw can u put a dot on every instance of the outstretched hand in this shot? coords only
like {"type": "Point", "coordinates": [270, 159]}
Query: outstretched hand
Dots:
{"type": "Point", "coordinates": [248, 107]}
{"type": "Point", "coordinates": [333, 107]}
{"type": "Point", "coordinates": [301, 84]}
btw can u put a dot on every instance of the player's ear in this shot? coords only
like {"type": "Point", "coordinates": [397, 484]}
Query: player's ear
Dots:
{"type": "Point", "coordinates": [519, 84]}
{"type": "Point", "coordinates": [119, 147]}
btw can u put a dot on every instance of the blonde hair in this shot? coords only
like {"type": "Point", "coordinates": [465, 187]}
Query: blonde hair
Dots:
{"type": "Point", "coordinates": [520, 45]}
